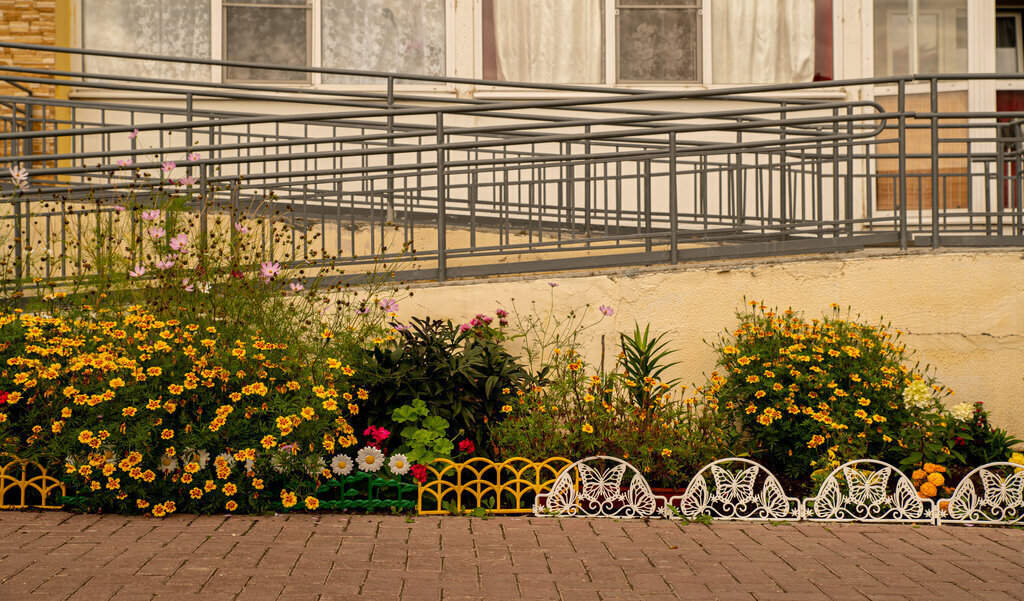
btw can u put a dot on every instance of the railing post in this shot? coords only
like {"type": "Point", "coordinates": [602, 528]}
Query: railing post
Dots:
{"type": "Point", "coordinates": [901, 100]}
{"type": "Point", "coordinates": [390, 216]}
{"type": "Point", "coordinates": [673, 208]}
{"type": "Point", "coordinates": [442, 191]}
{"type": "Point", "coordinates": [934, 92]}
{"type": "Point", "coordinates": [648, 208]}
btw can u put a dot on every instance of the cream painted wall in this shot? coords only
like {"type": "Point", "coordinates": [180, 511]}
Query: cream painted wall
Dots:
{"type": "Point", "coordinates": [963, 312]}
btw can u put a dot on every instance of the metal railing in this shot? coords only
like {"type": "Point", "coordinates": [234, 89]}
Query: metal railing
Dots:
{"type": "Point", "coordinates": [583, 177]}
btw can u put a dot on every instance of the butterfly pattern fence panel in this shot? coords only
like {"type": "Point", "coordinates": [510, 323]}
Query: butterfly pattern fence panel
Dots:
{"type": "Point", "coordinates": [601, 486]}
{"type": "Point", "coordinates": [1001, 500]}
{"type": "Point", "coordinates": [741, 489]}
{"type": "Point", "coordinates": [867, 490]}
{"type": "Point", "coordinates": [25, 484]}
{"type": "Point", "coordinates": [507, 487]}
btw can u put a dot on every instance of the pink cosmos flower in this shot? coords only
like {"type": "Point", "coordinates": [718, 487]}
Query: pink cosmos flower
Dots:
{"type": "Point", "coordinates": [193, 156]}
{"type": "Point", "coordinates": [151, 215]}
{"type": "Point", "coordinates": [388, 304]}
{"type": "Point", "coordinates": [157, 232]}
{"type": "Point", "coordinates": [178, 243]}
{"type": "Point", "coordinates": [134, 134]}
{"type": "Point", "coordinates": [187, 285]}
{"type": "Point", "coordinates": [124, 162]}
{"type": "Point", "coordinates": [118, 208]}
{"type": "Point", "coordinates": [138, 272]}
{"type": "Point", "coordinates": [268, 270]}
{"type": "Point", "coordinates": [606, 310]}
{"type": "Point", "coordinates": [553, 284]}
{"type": "Point", "coordinates": [187, 181]}
{"type": "Point", "coordinates": [20, 177]}
{"type": "Point", "coordinates": [241, 228]}
{"type": "Point", "coordinates": [168, 166]}
{"type": "Point", "coordinates": [296, 287]}
{"type": "Point", "coordinates": [164, 264]}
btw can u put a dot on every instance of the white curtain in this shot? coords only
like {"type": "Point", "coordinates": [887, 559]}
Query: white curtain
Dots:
{"type": "Point", "coordinates": [396, 36]}
{"type": "Point", "coordinates": [169, 27]}
{"type": "Point", "coordinates": [762, 41]}
{"type": "Point", "coordinates": [549, 41]}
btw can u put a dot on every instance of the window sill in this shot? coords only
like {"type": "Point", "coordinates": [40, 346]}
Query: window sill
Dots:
{"type": "Point", "coordinates": [489, 93]}
{"type": "Point", "coordinates": [285, 91]}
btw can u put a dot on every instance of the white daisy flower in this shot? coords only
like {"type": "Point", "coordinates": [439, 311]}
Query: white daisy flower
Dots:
{"type": "Point", "coordinates": [168, 464]}
{"type": "Point", "coordinates": [341, 465]}
{"type": "Point", "coordinates": [399, 464]}
{"type": "Point", "coordinates": [370, 459]}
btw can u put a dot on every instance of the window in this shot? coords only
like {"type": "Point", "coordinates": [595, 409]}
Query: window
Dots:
{"type": "Point", "coordinates": [169, 27]}
{"type": "Point", "coordinates": [1009, 50]}
{"type": "Point", "coordinates": [399, 36]}
{"type": "Point", "coordinates": [656, 41]}
{"type": "Point", "coordinates": [920, 36]}
{"type": "Point", "coordinates": [395, 36]}
{"type": "Point", "coordinates": [267, 31]}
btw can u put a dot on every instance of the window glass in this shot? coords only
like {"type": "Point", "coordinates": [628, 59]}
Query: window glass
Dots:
{"type": "Point", "coordinates": [941, 30]}
{"type": "Point", "coordinates": [659, 40]}
{"type": "Point", "coordinates": [1007, 43]}
{"type": "Point", "coordinates": [168, 27]}
{"type": "Point", "coordinates": [544, 41]}
{"type": "Point", "coordinates": [396, 36]}
{"type": "Point", "coordinates": [768, 41]}
{"type": "Point", "coordinates": [276, 34]}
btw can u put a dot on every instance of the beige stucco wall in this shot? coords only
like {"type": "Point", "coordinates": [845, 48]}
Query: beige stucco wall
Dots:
{"type": "Point", "coordinates": [963, 311]}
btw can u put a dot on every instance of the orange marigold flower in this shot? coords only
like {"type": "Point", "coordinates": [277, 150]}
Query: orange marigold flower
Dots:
{"type": "Point", "coordinates": [928, 490]}
{"type": "Point", "coordinates": [936, 479]}
{"type": "Point", "coordinates": [919, 475]}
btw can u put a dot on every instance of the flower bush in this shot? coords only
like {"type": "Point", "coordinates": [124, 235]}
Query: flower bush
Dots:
{"type": "Point", "coordinates": [811, 394]}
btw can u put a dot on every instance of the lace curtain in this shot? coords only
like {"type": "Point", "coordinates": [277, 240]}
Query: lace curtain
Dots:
{"type": "Point", "coordinates": [398, 36]}
{"type": "Point", "coordinates": [768, 41]}
{"type": "Point", "coordinates": [170, 27]}
{"type": "Point", "coordinates": [549, 41]}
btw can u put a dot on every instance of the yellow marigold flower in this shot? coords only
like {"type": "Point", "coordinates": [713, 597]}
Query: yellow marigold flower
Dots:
{"type": "Point", "coordinates": [268, 442]}
{"type": "Point", "coordinates": [760, 394]}
{"type": "Point", "coordinates": [666, 452]}
{"type": "Point", "coordinates": [311, 503]}
{"type": "Point", "coordinates": [231, 506]}
{"type": "Point", "coordinates": [348, 371]}
{"type": "Point", "coordinates": [175, 389]}
{"type": "Point", "coordinates": [353, 409]}
{"type": "Point", "coordinates": [751, 408]}
{"type": "Point", "coordinates": [506, 408]}
{"type": "Point", "coordinates": [878, 418]}
{"type": "Point", "coordinates": [229, 489]}
{"type": "Point", "coordinates": [148, 476]}
{"type": "Point", "coordinates": [257, 483]}
{"type": "Point", "coordinates": [141, 503]}
{"type": "Point", "coordinates": [753, 379]}
{"type": "Point", "coordinates": [191, 467]}
{"type": "Point", "coordinates": [196, 493]}
{"type": "Point", "coordinates": [587, 428]}
{"type": "Point", "coordinates": [186, 478]}
{"type": "Point", "coordinates": [129, 411]}
{"type": "Point", "coordinates": [210, 486]}
{"type": "Point", "coordinates": [167, 434]}
{"type": "Point", "coordinates": [330, 405]}
{"type": "Point", "coordinates": [288, 499]}
{"type": "Point", "coordinates": [308, 413]}
{"type": "Point", "coordinates": [85, 436]}
{"type": "Point", "coordinates": [815, 441]}
{"type": "Point", "coordinates": [362, 394]}
{"type": "Point", "coordinates": [928, 490]}
{"type": "Point", "coordinates": [116, 383]}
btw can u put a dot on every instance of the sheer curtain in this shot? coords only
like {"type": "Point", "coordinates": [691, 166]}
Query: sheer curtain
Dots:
{"type": "Point", "coordinates": [549, 41]}
{"type": "Point", "coordinates": [398, 36]}
{"type": "Point", "coordinates": [170, 27]}
{"type": "Point", "coordinates": [767, 41]}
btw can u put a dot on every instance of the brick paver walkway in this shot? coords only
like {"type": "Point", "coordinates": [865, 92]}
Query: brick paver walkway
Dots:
{"type": "Point", "coordinates": [60, 555]}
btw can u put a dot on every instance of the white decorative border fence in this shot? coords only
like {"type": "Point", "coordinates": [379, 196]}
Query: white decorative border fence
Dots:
{"type": "Point", "coordinates": [863, 490]}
